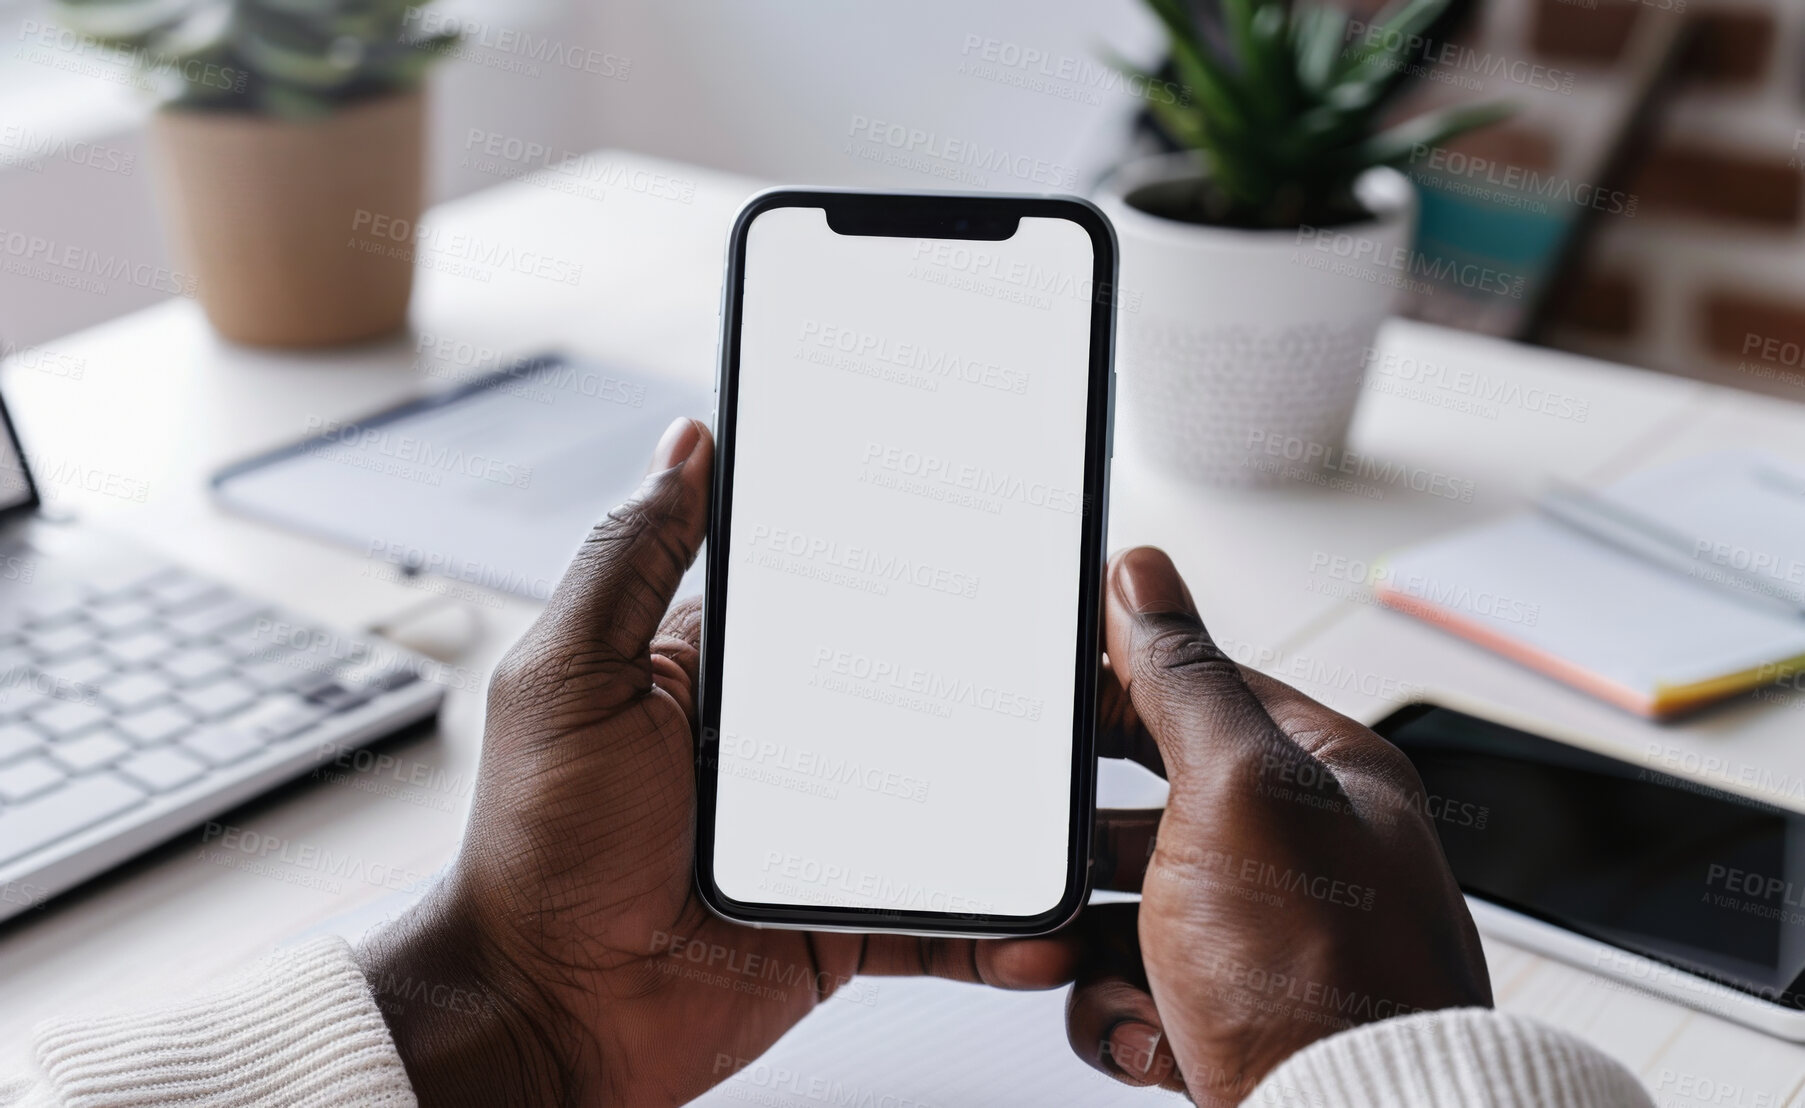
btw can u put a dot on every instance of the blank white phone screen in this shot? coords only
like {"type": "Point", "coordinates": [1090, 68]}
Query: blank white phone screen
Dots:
{"type": "Point", "coordinates": [904, 569]}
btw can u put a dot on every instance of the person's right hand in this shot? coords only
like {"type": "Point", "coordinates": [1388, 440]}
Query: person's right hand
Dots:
{"type": "Point", "coordinates": [1293, 885]}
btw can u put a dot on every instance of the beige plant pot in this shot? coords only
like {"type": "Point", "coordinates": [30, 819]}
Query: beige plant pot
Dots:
{"type": "Point", "coordinates": [279, 219]}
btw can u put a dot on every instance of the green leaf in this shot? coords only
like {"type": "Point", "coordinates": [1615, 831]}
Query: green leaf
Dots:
{"type": "Point", "coordinates": [120, 21]}
{"type": "Point", "coordinates": [1321, 37]}
{"type": "Point", "coordinates": [1431, 129]}
{"type": "Point", "coordinates": [1266, 61]}
{"type": "Point", "coordinates": [1214, 90]}
{"type": "Point", "coordinates": [296, 58]}
{"type": "Point", "coordinates": [1388, 44]}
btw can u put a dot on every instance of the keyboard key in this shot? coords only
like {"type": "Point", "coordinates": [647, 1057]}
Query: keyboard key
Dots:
{"type": "Point", "coordinates": [62, 642]}
{"type": "Point", "coordinates": [66, 718]}
{"type": "Point", "coordinates": [121, 616]}
{"type": "Point", "coordinates": [14, 659]}
{"type": "Point", "coordinates": [23, 780]}
{"type": "Point", "coordinates": [81, 804]}
{"type": "Point", "coordinates": [252, 641]}
{"type": "Point", "coordinates": [221, 615]}
{"type": "Point", "coordinates": [52, 605]}
{"type": "Point", "coordinates": [90, 752]}
{"type": "Point", "coordinates": [278, 717]}
{"type": "Point", "coordinates": [221, 746]}
{"type": "Point", "coordinates": [127, 577]}
{"type": "Point", "coordinates": [20, 694]}
{"type": "Point", "coordinates": [221, 698]}
{"type": "Point", "coordinates": [85, 670]}
{"type": "Point", "coordinates": [376, 676]}
{"type": "Point", "coordinates": [130, 691]}
{"type": "Point", "coordinates": [17, 739]}
{"type": "Point", "coordinates": [282, 671]}
{"type": "Point", "coordinates": [155, 725]}
{"type": "Point", "coordinates": [180, 591]}
{"type": "Point", "coordinates": [314, 681]}
{"type": "Point", "coordinates": [194, 664]}
{"type": "Point", "coordinates": [139, 647]}
{"type": "Point", "coordinates": [336, 697]}
{"type": "Point", "coordinates": [161, 770]}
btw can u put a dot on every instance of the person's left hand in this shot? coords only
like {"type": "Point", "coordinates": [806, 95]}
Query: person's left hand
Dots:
{"type": "Point", "coordinates": [588, 970]}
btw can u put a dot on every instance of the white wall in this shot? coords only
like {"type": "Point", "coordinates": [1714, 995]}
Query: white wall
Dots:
{"type": "Point", "coordinates": [990, 94]}
{"type": "Point", "coordinates": [780, 88]}
{"type": "Point", "coordinates": [106, 202]}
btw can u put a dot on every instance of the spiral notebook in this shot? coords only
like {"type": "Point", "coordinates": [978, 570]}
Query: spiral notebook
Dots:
{"type": "Point", "coordinates": [1717, 609]}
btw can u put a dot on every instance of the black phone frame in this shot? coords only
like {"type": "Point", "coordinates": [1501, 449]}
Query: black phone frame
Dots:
{"type": "Point", "coordinates": [991, 217]}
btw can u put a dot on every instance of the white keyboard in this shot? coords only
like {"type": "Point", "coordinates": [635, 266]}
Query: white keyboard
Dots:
{"type": "Point", "coordinates": [138, 699]}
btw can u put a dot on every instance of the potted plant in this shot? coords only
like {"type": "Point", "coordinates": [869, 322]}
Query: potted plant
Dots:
{"type": "Point", "coordinates": [1258, 261]}
{"type": "Point", "coordinates": [287, 127]}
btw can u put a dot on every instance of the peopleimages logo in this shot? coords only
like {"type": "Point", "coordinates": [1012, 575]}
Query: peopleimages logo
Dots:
{"type": "Point", "coordinates": [857, 558]}
{"type": "Point", "coordinates": [937, 688]}
{"type": "Point", "coordinates": [938, 150]}
{"type": "Point", "coordinates": [916, 357]}
{"type": "Point", "coordinates": [1359, 250]}
{"type": "Point", "coordinates": [942, 472]}
{"type": "Point", "coordinates": [328, 436]}
{"type": "Point", "coordinates": [1319, 457]}
{"type": "Point", "coordinates": [802, 762]}
{"type": "Point", "coordinates": [1455, 59]}
{"type": "Point", "coordinates": [460, 253]}
{"type": "Point", "coordinates": [1423, 587]}
{"type": "Point", "coordinates": [1067, 76]}
{"type": "Point", "coordinates": [33, 148]}
{"type": "Point", "coordinates": [1416, 379]}
{"type": "Point", "coordinates": [1525, 182]}
{"type": "Point", "coordinates": [78, 267]}
{"type": "Point", "coordinates": [514, 42]}
{"type": "Point", "coordinates": [61, 47]}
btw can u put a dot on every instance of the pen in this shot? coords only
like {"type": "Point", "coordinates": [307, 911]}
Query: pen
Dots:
{"type": "Point", "coordinates": [1657, 544]}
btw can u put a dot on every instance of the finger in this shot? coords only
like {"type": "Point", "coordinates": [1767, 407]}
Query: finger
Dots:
{"type": "Point", "coordinates": [1040, 963]}
{"type": "Point", "coordinates": [1111, 1020]}
{"type": "Point", "coordinates": [1333, 739]}
{"type": "Point", "coordinates": [1122, 847]}
{"type": "Point", "coordinates": [1120, 733]}
{"type": "Point", "coordinates": [606, 609]}
{"type": "Point", "coordinates": [1113, 1025]}
{"type": "Point", "coordinates": [1186, 692]}
{"type": "Point", "coordinates": [677, 651]}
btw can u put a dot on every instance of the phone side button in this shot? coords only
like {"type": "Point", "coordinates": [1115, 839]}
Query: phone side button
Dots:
{"type": "Point", "coordinates": [1109, 437]}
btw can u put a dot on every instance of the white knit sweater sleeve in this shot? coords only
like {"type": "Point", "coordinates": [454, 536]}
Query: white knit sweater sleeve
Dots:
{"type": "Point", "coordinates": [1459, 1058]}
{"type": "Point", "coordinates": [299, 1029]}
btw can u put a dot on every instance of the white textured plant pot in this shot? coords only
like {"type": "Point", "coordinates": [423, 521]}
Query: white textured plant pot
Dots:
{"type": "Point", "coordinates": [1242, 352]}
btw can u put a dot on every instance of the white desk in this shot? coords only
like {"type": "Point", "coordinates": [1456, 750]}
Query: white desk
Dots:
{"type": "Point", "coordinates": [160, 400]}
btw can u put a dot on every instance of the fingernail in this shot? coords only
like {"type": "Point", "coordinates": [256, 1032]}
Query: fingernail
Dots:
{"type": "Point", "coordinates": [1151, 584]}
{"type": "Point", "coordinates": [1132, 1045]}
{"type": "Point", "coordinates": [679, 440]}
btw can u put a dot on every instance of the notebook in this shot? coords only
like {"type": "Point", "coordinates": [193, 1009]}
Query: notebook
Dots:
{"type": "Point", "coordinates": [1656, 637]}
{"type": "Point", "coordinates": [492, 483]}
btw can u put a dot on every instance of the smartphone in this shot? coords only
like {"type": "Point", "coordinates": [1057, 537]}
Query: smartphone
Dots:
{"type": "Point", "coordinates": [1663, 883]}
{"type": "Point", "coordinates": [900, 652]}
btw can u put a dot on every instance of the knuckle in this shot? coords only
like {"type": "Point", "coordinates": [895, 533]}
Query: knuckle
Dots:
{"type": "Point", "coordinates": [683, 623]}
{"type": "Point", "coordinates": [517, 675]}
{"type": "Point", "coordinates": [1185, 658]}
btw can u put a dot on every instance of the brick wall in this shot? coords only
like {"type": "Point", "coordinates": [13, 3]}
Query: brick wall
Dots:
{"type": "Point", "coordinates": [1704, 274]}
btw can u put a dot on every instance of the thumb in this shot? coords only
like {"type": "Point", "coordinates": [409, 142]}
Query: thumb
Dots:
{"type": "Point", "coordinates": [1188, 694]}
{"type": "Point", "coordinates": [617, 589]}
